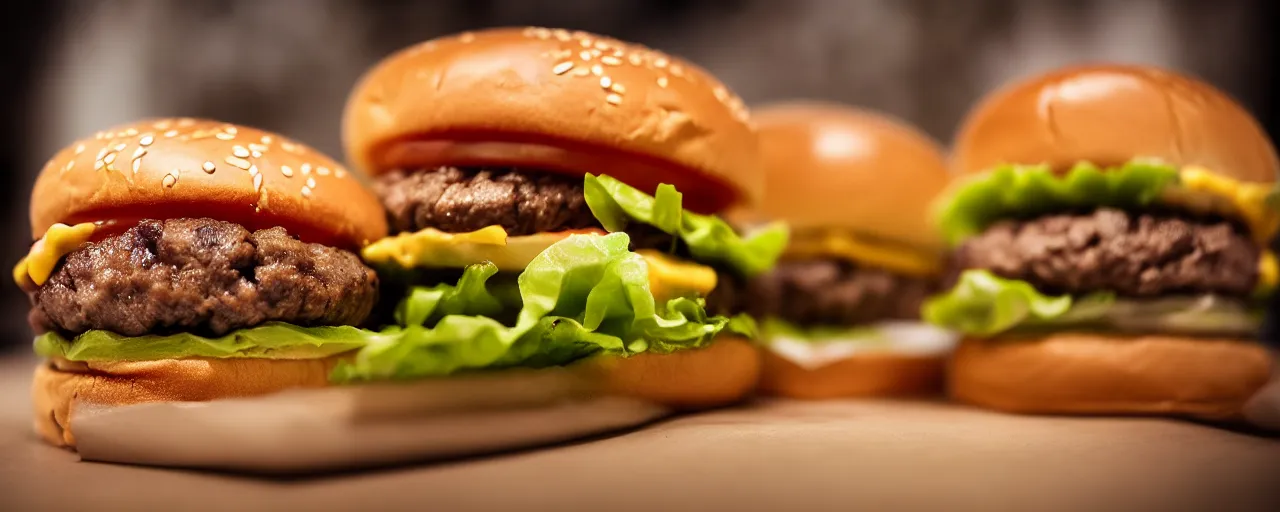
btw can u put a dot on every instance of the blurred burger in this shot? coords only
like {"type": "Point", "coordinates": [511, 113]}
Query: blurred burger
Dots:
{"type": "Point", "coordinates": [1110, 227]}
{"type": "Point", "coordinates": [841, 311]}
{"type": "Point", "coordinates": [188, 260]}
{"type": "Point", "coordinates": [552, 196]}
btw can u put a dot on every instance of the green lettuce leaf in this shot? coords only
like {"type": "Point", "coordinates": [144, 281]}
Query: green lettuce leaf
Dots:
{"type": "Point", "coordinates": [709, 238]}
{"type": "Point", "coordinates": [271, 341]}
{"type": "Point", "coordinates": [1013, 191]}
{"type": "Point", "coordinates": [820, 333]}
{"type": "Point", "coordinates": [982, 304]}
{"type": "Point", "coordinates": [584, 295]}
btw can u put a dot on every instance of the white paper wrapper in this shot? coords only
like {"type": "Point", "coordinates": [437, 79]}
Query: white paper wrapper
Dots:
{"type": "Point", "coordinates": [301, 431]}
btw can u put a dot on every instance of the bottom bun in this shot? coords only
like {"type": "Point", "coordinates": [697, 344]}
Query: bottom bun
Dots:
{"type": "Point", "coordinates": [724, 372]}
{"type": "Point", "coordinates": [862, 375]}
{"type": "Point", "coordinates": [60, 385]}
{"type": "Point", "coordinates": [1077, 373]}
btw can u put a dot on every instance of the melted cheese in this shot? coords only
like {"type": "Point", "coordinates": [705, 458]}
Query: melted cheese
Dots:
{"type": "Point", "coordinates": [1268, 271]}
{"type": "Point", "coordinates": [45, 254]}
{"type": "Point", "coordinates": [1203, 191]}
{"type": "Point", "coordinates": [670, 278]}
{"type": "Point", "coordinates": [852, 248]}
{"type": "Point", "coordinates": [434, 248]}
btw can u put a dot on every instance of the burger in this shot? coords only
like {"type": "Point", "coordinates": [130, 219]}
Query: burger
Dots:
{"type": "Point", "coordinates": [181, 260]}
{"type": "Point", "coordinates": [552, 199]}
{"type": "Point", "coordinates": [1111, 229]}
{"type": "Point", "coordinates": [840, 313]}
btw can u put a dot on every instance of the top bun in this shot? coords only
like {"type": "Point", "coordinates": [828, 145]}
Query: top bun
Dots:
{"type": "Point", "coordinates": [559, 101]}
{"type": "Point", "coordinates": [1111, 114]}
{"type": "Point", "coordinates": [829, 165]}
{"type": "Point", "coordinates": [166, 168]}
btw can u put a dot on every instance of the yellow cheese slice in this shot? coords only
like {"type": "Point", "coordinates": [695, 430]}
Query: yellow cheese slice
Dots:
{"type": "Point", "coordinates": [45, 254]}
{"type": "Point", "coordinates": [434, 248]}
{"type": "Point", "coordinates": [1268, 270]}
{"type": "Point", "coordinates": [670, 278]}
{"type": "Point", "coordinates": [855, 249]}
{"type": "Point", "coordinates": [1203, 191]}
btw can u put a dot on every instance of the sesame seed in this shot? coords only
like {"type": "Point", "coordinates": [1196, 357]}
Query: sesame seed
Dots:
{"type": "Point", "coordinates": [138, 153]}
{"type": "Point", "coordinates": [610, 60]}
{"type": "Point", "coordinates": [581, 72]}
{"type": "Point", "coordinates": [146, 140]}
{"type": "Point", "coordinates": [660, 62]}
{"type": "Point", "coordinates": [542, 33]}
{"type": "Point", "coordinates": [662, 82]}
{"type": "Point", "coordinates": [229, 129]}
{"type": "Point", "coordinates": [130, 132]}
{"type": "Point", "coordinates": [340, 172]}
{"type": "Point", "coordinates": [720, 93]}
{"type": "Point", "coordinates": [225, 136]}
{"type": "Point", "coordinates": [585, 42]}
{"type": "Point", "coordinates": [618, 88]}
{"type": "Point", "coordinates": [238, 162]}
{"type": "Point", "coordinates": [677, 70]}
{"type": "Point", "coordinates": [561, 34]}
{"type": "Point", "coordinates": [562, 67]}
{"type": "Point", "coordinates": [306, 192]}
{"type": "Point", "coordinates": [635, 59]}
{"type": "Point", "coordinates": [289, 146]}
{"type": "Point", "coordinates": [306, 169]}
{"type": "Point", "coordinates": [111, 157]}
{"type": "Point", "coordinates": [120, 147]}
{"type": "Point", "coordinates": [286, 171]}
{"type": "Point", "coordinates": [266, 139]}
{"type": "Point", "coordinates": [101, 154]}
{"type": "Point", "coordinates": [602, 45]}
{"type": "Point", "coordinates": [467, 37]}
{"type": "Point", "coordinates": [257, 147]}
{"type": "Point", "coordinates": [311, 183]}
{"type": "Point", "coordinates": [597, 69]}
{"type": "Point", "coordinates": [97, 165]}
{"type": "Point", "coordinates": [585, 55]}
{"type": "Point", "coordinates": [253, 170]}
{"type": "Point", "coordinates": [595, 52]}
{"type": "Point", "coordinates": [171, 133]}
{"type": "Point", "coordinates": [209, 167]}
{"type": "Point", "coordinates": [257, 182]}
{"type": "Point", "coordinates": [240, 151]}
{"type": "Point", "coordinates": [613, 99]}
{"type": "Point", "coordinates": [170, 180]}
{"type": "Point", "coordinates": [136, 165]}
{"type": "Point", "coordinates": [322, 170]}
{"type": "Point", "coordinates": [256, 153]}
{"type": "Point", "coordinates": [80, 149]}
{"type": "Point", "coordinates": [606, 82]}
{"type": "Point", "coordinates": [70, 164]}
{"type": "Point", "coordinates": [528, 31]}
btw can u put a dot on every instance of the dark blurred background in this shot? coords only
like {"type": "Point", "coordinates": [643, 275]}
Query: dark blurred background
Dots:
{"type": "Point", "coordinates": [73, 67]}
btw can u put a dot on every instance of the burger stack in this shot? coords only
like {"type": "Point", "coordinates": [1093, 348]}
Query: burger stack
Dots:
{"type": "Point", "coordinates": [532, 218]}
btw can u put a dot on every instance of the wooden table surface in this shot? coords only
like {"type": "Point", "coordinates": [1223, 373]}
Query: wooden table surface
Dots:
{"type": "Point", "coordinates": [769, 455]}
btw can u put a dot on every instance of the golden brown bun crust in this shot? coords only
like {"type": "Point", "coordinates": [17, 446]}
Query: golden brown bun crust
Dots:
{"type": "Point", "coordinates": [1111, 114]}
{"type": "Point", "coordinates": [1070, 373]}
{"type": "Point", "coordinates": [869, 375]}
{"type": "Point", "coordinates": [55, 392]}
{"type": "Point", "coordinates": [201, 168]}
{"type": "Point", "coordinates": [829, 165]}
{"type": "Point", "coordinates": [548, 87]}
{"type": "Point", "coordinates": [724, 372]}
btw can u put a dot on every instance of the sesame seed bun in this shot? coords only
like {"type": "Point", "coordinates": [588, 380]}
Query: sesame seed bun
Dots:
{"type": "Point", "coordinates": [1111, 114]}
{"type": "Point", "coordinates": [560, 101]}
{"type": "Point", "coordinates": [864, 375]}
{"type": "Point", "coordinates": [165, 168]}
{"type": "Point", "coordinates": [1078, 373]}
{"type": "Point", "coordinates": [723, 373]}
{"type": "Point", "coordinates": [835, 166]}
